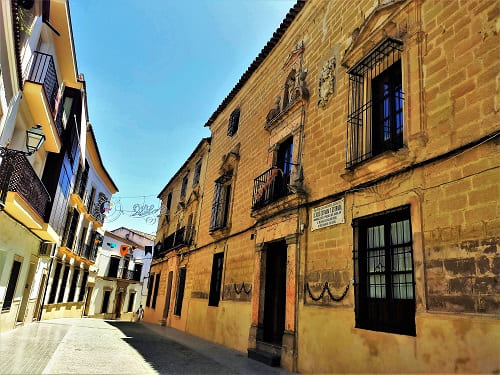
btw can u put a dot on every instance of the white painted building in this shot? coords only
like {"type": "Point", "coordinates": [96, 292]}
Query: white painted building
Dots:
{"type": "Point", "coordinates": [38, 72]}
{"type": "Point", "coordinates": [122, 267]}
{"type": "Point", "coordinates": [73, 272]}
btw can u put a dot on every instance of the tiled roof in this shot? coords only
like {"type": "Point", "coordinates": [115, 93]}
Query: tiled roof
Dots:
{"type": "Point", "coordinates": [139, 233]}
{"type": "Point", "coordinates": [292, 13]}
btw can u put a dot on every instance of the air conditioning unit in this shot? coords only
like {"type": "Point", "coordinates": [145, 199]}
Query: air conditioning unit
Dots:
{"type": "Point", "coordinates": [47, 249]}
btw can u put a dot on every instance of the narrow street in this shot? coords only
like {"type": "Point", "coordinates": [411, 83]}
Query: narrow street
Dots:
{"type": "Point", "coordinates": [94, 346]}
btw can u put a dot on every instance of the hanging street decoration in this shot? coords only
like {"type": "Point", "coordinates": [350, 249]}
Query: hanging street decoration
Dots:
{"type": "Point", "coordinates": [147, 211]}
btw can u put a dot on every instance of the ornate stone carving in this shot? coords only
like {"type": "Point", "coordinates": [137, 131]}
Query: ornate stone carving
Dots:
{"type": "Point", "coordinates": [294, 87]}
{"type": "Point", "coordinates": [326, 85]}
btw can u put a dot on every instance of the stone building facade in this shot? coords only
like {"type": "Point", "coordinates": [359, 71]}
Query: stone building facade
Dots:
{"type": "Point", "coordinates": [177, 234]}
{"type": "Point", "coordinates": [349, 217]}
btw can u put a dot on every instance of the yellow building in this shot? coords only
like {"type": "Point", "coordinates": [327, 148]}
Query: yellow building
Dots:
{"type": "Point", "coordinates": [52, 198]}
{"type": "Point", "coordinates": [350, 217]}
{"type": "Point", "coordinates": [178, 225]}
{"type": "Point", "coordinates": [31, 91]}
{"type": "Point", "coordinates": [72, 275]}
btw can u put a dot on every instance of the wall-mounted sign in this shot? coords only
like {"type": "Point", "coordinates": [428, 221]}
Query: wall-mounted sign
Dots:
{"type": "Point", "coordinates": [124, 250]}
{"type": "Point", "coordinates": [329, 214]}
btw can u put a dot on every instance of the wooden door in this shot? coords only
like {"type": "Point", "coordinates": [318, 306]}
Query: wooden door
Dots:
{"type": "Point", "coordinates": [275, 293]}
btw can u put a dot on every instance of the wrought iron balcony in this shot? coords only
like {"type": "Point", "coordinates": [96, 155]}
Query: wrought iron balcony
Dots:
{"type": "Point", "coordinates": [43, 71]}
{"type": "Point", "coordinates": [270, 186]}
{"type": "Point", "coordinates": [17, 175]}
{"type": "Point", "coordinates": [181, 237]}
{"type": "Point", "coordinates": [126, 274]}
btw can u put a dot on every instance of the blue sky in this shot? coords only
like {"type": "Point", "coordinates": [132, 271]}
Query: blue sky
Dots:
{"type": "Point", "coordinates": [156, 70]}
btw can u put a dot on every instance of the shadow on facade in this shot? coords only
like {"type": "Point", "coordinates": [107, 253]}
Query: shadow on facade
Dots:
{"type": "Point", "coordinates": [165, 355]}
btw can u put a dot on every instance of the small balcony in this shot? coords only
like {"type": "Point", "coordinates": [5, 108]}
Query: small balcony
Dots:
{"type": "Point", "coordinates": [40, 90]}
{"type": "Point", "coordinates": [24, 196]}
{"type": "Point", "coordinates": [269, 187]}
{"type": "Point", "coordinates": [181, 237]}
{"type": "Point", "coordinates": [127, 274]}
{"type": "Point", "coordinates": [94, 215]}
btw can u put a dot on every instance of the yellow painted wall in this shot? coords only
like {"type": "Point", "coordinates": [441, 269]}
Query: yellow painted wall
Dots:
{"type": "Point", "coordinates": [15, 240]}
{"type": "Point", "coordinates": [62, 310]}
{"type": "Point", "coordinates": [449, 69]}
{"type": "Point", "coordinates": [445, 343]}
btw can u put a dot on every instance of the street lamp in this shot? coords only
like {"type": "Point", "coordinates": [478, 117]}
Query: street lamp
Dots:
{"type": "Point", "coordinates": [34, 140]}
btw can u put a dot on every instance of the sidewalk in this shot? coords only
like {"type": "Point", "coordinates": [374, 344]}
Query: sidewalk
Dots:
{"type": "Point", "coordinates": [232, 359]}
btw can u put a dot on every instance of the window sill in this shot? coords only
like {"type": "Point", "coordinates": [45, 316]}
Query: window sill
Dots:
{"type": "Point", "coordinates": [378, 165]}
{"type": "Point", "coordinates": [387, 332]}
{"type": "Point", "coordinates": [220, 232]}
{"type": "Point", "coordinates": [280, 204]}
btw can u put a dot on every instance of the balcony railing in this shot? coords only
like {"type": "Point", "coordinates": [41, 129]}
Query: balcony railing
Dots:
{"type": "Point", "coordinates": [43, 71]}
{"type": "Point", "coordinates": [269, 187]}
{"type": "Point", "coordinates": [181, 237]}
{"type": "Point", "coordinates": [17, 175]}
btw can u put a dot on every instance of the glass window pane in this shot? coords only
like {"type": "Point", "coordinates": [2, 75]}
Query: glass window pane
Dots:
{"type": "Point", "coordinates": [400, 232]}
{"type": "Point", "coordinates": [402, 286]}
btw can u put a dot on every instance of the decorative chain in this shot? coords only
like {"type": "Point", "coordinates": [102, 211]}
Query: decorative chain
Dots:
{"type": "Point", "coordinates": [326, 288]}
{"type": "Point", "coordinates": [242, 288]}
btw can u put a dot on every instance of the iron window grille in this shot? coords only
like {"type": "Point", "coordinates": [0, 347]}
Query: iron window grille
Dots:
{"type": "Point", "coordinates": [150, 289]}
{"type": "Point", "coordinates": [184, 185]}
{"type": "Point", "coordinates": [169, 202]}
{"type": "Point", "coordinates": [180, 292]}
{"type": "Point", "coordinates": [197, 173]}
{"type": "Point", "coordinates": [55, 280]}
{"type": "Point", "coordinates": [64, 281]}
{"type": "Point", "coordinates": [17, 175]}
{"type": "Point", "coordinates": [155, 294]}
{"type": "Point", "coordinates": [221, 202]}
{"type": "Point", "coordinates": [72, 288]}
{"type": "Point", "coordinates": [11, 287]}
{"type": "Point", "coordinates": [234, 121]}
{"type": "Point", "coordinates": [216, 280]}
{"type": "Point", "coordinates": [114, 263]}
{"type": "Point", "coordinates": [84, 285]}
{"type": "Point", "coordinates": [137, 272]}
{"type": "Point", "coordinates": [384, 280]}
{"type": "Point", "coordinates": [375, 120]}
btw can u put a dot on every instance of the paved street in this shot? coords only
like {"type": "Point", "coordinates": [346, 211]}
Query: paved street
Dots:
{"type": "Point", "coordinates": [93, 346]}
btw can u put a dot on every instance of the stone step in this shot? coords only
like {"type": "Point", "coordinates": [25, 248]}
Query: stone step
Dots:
{"type": "Point", "coordinates": [268, 347]}
{"type": "Point", "coordinates": [265, 357]}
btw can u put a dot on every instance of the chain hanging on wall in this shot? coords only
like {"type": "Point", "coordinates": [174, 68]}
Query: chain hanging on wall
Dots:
{"type": "Point", "coordinates": [242, 289]}
{"type": "Point", "coordinates": [326, 288]}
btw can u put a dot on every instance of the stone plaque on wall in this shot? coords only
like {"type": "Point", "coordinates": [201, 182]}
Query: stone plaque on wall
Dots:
{"type": "Point", "coordinates": [327, 215]}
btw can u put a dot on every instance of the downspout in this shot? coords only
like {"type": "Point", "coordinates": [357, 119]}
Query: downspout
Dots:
{"type": "Point", "coordinates": [45, 289]}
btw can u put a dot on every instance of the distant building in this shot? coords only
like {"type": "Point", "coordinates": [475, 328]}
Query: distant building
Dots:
{"type": "Point", "coordinates": [176, 235]}
{"type": "Point", "coordinates": [72, 275]}
{"type": "Point", "coordinates": [122, 270]}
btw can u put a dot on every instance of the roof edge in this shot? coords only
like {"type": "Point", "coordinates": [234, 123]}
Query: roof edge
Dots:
{"type": "Point", "coordinates": [197, 148]}
{"type": "Point", "coordinates": [277, 35]}
{"type": "Point", "coordinates": [91, 131]}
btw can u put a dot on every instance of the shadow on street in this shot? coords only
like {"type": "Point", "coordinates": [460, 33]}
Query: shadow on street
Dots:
{"type": "Point", "coordinates": [167, 356]}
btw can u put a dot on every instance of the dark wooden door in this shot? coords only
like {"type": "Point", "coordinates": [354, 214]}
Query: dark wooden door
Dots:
{"type": "Point", "coordinates": [118, 305]}
{"type": "Point", "coordinates": [169, 292]}
{"type": "Point", "coordinates": [275, 293]}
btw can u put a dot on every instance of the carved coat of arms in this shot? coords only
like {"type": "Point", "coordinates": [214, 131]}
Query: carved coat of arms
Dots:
{"type": "Point", "coordinates": [326, 83]}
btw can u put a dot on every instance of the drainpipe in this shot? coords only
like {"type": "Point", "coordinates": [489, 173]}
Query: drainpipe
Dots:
{"type": "Point", "coordinates": [45, 289]}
